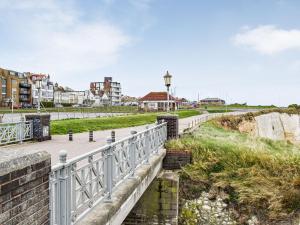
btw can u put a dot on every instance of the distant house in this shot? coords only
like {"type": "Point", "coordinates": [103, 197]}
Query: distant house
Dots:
{"type": "Point", "coordinates": [212, 101]}
{"type": "Point", "coordinates": [66, 95]}
{"type": "Point", "coordinates": [157, 101]}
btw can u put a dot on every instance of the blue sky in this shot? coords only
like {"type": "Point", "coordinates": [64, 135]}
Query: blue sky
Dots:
{"type": "Point", "coordinates": [239, 50]}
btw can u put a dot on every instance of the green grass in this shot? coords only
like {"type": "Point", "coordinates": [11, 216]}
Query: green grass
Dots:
{"type": "Point", "coordinates": [260, 176]}
{"type": "Point", "coordinates": [105, 123]}
{"type": "Point", "coordinates": [219, 110]}
{"type": "Point", "coordinates": [232, 107]}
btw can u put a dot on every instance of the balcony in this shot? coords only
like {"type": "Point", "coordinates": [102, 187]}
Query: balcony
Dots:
{"type": "Point", "coordinates": [24, 100]}
{"type": "Point", "coordinates": [24, 92]}
{"type": "Point", "coordinates": [25, 85]}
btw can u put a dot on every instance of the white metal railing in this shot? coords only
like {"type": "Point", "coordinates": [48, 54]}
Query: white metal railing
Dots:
{"type": "Point", "coordinates": [15, 132]}
{"type": "Point", "coordinates": [82, 182]}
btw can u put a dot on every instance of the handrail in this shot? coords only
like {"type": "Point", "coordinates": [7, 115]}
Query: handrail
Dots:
{"type": "Point", "coordinates": [80, 183]}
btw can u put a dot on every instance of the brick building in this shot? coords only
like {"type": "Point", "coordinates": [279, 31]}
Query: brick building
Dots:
{"type": "Point", "coordinates": [14, 86]}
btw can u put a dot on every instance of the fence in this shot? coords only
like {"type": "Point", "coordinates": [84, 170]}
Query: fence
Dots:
{"type": "Point", "coordinates": [15, 132]}
{"type": "Point", "coordinates": [82, 182]}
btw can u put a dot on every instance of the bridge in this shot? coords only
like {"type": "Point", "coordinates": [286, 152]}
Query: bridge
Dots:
{"type": "Point", "coordinates": [98, 187]}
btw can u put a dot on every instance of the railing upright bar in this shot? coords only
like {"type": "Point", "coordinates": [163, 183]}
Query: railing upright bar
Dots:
{"type": "Point", "coordinates": [64, 191]}
{"type": "Point", "coordinates": [109, 170]}
{"type": "Point", "coordinates": [147, 144]}
{"type": "Point", "coordinates": [132, 152]}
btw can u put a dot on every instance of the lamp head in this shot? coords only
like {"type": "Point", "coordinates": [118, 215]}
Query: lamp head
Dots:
{"type": "Point", "coordinates": [167, 79]}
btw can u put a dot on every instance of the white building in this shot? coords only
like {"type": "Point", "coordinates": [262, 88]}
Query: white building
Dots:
{"type": "Point", "coordinates": [68, 96]}
{"type": "Point", "coordinates": [42, 82]}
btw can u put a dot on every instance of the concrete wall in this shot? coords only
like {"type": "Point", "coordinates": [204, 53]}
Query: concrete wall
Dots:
{"type": "Point", "coordinates": [24, 187]}
{"type": "Point", "coordinates": [278, 126]}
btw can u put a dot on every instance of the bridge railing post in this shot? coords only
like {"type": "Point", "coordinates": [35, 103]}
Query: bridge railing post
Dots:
{"type": "Point", "coordinates": [109, 169]}
{"type": "Point", "coordinates": [132, 152]}
{"type": "Point", "coordinates": [64, 191]}
{"type": "Point", "coordinates": [147, 144]}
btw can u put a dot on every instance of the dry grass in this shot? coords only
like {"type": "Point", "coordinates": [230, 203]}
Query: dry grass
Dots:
{"type": "Point", "coordinates": [260, 176]}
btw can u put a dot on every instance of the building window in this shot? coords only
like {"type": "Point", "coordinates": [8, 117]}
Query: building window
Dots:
{"type": "Point", "coordinates": [3, 88]}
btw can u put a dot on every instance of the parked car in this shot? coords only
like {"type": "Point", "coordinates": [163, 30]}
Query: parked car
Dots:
{"type": "Point", "coordinates": [76, 106]}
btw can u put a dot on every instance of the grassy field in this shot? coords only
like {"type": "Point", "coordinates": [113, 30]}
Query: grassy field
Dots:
{"type": "Point", "coordinates": [104, 123]}
{"type": "Point", "coordinates": [233, 107]}
{"type": "Point", "coordinates": [259, 176]}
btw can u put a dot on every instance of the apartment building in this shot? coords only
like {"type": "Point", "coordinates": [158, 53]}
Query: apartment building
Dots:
{"type": "Point", "coordinates": [25, 97]}
{"type": "Point", "coordinates": [9, 83]}
{"type": "Point", "coordinates": [14, 89]}
{"type": "Point", "coordinates": [109, 92]}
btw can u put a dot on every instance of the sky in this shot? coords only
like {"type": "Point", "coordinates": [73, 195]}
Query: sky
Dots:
{"type": "Point", "coordinates": [244, 51]}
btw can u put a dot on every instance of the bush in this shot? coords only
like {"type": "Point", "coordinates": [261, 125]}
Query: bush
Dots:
{"type": "Point", "coordinates": [294, 106]}
{"type": "Point", "coordinates": [66, 104]}
{"type": "Point", "coordinates": [48, 104]}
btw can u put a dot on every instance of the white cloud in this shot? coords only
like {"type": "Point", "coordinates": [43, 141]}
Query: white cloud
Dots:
{"type": "Point", "coordinates": [268, 39]}
{"type": "Point", "coordinates": [51, 36]}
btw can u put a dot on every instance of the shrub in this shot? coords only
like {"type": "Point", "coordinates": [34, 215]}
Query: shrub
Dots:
{"type": "Point", "coordinates": [48, 104]}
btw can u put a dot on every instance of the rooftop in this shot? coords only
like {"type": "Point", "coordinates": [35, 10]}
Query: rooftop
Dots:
{"type": "Point", "coordinates": [157, 96]}
{"type": "Point", "coordinates": [212, 99]}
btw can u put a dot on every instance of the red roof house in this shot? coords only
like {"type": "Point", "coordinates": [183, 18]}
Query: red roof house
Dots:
{"type": "Point", "coordinates": [157, 101]}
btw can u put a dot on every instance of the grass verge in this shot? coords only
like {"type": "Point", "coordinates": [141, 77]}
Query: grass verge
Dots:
{"type": "Point", "coordinates": [105, 123]}
{"type": "Point", "coordinates": [259, 176]}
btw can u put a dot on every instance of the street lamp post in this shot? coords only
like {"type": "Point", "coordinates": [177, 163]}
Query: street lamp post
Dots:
{"type": "Point", "coordinates": [167, 79]}
{"type": "Point", "coordinates": [12, 101]}
{"type": "Point", "coordinates": [39, 85]}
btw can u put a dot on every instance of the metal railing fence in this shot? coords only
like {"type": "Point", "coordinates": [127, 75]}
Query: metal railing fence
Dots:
{"type": "Point", "coordinates": [82, 182]}
{"type": "Point", "coordinates": [15, 132]}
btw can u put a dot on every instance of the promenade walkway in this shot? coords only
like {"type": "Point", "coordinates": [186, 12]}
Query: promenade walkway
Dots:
{"type": "Point", "coordinates": [81, 144]}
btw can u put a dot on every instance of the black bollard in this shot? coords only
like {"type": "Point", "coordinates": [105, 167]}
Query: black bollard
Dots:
{"type": "Point", "coordinates": [70, 135]}
{"type": "Point", "coordinates": [113, 136]}
{"type": "Point", "coordinates": [91, 136]}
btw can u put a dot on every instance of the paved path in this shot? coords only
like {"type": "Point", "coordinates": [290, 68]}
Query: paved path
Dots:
{"type": "Point", "coordinates": [81, 145]}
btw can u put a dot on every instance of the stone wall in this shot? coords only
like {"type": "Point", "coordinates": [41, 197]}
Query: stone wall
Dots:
{"type": "Point", "coordinates": [175, 159]}
{"type": "Point", "coordinates": [24, 187]}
